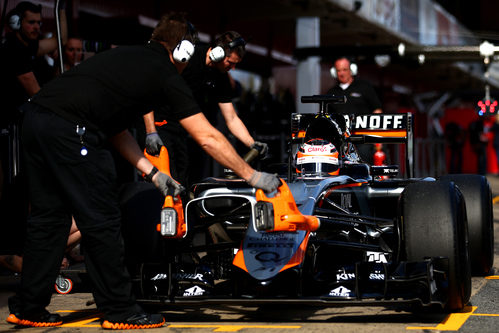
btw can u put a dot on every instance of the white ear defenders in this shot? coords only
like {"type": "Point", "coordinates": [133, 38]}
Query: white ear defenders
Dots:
{"type": "Point", "coordinates": [183, 51]}
{"type": "Point", "coordinates": [353, 69]}
{"type": "Point", "coordinates": [15, 22]}
{"type": "Point", "coordinates": [217, 53]}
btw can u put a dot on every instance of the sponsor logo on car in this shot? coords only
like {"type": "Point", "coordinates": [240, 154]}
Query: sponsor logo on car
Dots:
{"type": "Point", "coordinates": [346, 200]}
{"type": "Point", "coordinates": [377, 122]}
{"type": "Point", "coordinates": [345, 276]}
{"type": "Point", "coordinates": [194, 291]}
{"type": "Point", "coordinates": [377, 257]}
{"type": "Point", "coordinates": [187, 276]}
{"type": "Point", "coordinates": [376, 276]}
{"type": "Point", "coordinates": [340, 291]}
{"type": "Point", "coordinates": [159, 276]}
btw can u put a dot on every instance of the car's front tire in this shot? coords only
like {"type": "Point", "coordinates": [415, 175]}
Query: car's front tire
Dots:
{"type": "Point", "coordinates": [478, 197]}
{"type": "Point", "coordinates": [433, 224]}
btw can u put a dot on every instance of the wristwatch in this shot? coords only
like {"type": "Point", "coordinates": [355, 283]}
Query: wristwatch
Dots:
{"type": "Point", "coordinates": [151, 174]}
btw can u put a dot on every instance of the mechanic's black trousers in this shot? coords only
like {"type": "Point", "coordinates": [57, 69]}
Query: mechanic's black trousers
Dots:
{"type": "Point", "coordinates": [63, 182]}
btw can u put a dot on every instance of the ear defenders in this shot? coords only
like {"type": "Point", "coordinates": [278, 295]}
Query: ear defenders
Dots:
{"type": "Point", "coordinates": [217, 53]}
{"type": "Point", "coordinates": [183, 51]}
{"type": "Point", "coordinates": [353, 69]}
{"type": "Point", "coordinates": [15, 22]}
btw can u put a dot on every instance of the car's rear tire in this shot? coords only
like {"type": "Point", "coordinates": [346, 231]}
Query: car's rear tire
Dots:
{"type": "Point", "coordinates": [478, 197]}
{"type": "Point", "coordinates": [434, 225]}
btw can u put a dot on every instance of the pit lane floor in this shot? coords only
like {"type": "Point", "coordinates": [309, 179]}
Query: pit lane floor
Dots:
{"type": "Point", "coordinates": [481, 315]}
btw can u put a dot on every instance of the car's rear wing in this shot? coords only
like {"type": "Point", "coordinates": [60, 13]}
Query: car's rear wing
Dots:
{"type": "Point", "coordinates": [369, 128]}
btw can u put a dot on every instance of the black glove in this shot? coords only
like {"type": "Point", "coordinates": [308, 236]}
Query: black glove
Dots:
{"type": "Point", "coordinates": [153, 143]}
{"type": "Point", "coordinates": [266, 181]}
{"type": "Point", "coordinates": [262, 148]}
{"type": "Point", "coordinates": [166, 185]}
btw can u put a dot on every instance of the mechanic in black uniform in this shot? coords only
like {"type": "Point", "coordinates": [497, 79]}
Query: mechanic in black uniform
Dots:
{"type": "Point", "coordinates": [66, 131]}
{"type": "Point", "coordinates": [361, 98]}
{"type": "Point", "coordinates": [23, 70]}
{"type": "Point", "coordinates": [207, 76]}
{"type": "Point", "coordinates": [22, 56]}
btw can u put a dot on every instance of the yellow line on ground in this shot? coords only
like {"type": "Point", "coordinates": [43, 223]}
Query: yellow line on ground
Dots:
{"type": "Point", "coordinates": [85, 322]}
{"type": "Point", "coordinates": [452, 322]}
{"type": "Point", "coordinates": [492, 277]}
{"type": "Point", "coordinates": [231, 328]}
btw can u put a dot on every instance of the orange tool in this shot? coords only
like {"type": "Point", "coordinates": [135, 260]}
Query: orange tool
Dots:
{"type": "Point", "coordinates": [172, 223]}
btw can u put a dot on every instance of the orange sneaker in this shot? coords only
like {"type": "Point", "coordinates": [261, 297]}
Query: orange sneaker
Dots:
{"type": "Point", "coordinates": [137, 321]}
{"type": "Point", "coordinates": [45, 319]}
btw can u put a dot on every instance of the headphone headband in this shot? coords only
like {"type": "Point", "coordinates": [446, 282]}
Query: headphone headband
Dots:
{"type": "Point", "coordinates": [239, 41]}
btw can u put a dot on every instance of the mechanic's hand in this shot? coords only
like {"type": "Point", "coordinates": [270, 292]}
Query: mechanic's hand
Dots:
{"type": "Point", "coordinates": [266, 181]}
{"type": "Point", "coordinates": [262, 148]}
{"type": "Point", "coordinates": [166, 185]}
{"type": "Point", "coordinates": [153, 143]}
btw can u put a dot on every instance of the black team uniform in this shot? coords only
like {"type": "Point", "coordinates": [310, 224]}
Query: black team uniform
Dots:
{"type": "Point", "coordinates": [188, 162]}
{"type": "Point", "coordinates": [104, 94]}
{"type": "Point", "coordinates": [16, 59]}
{"type": "Point", "coordinates": [361, 99]}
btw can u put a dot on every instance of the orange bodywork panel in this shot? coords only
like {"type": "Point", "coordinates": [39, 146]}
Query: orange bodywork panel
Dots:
{"type": "Point", "coordinates": [162, 162]}
{"type": "Point", "coordinates": [287, 217]}
{"type": "Point", "coordinates": [382, 134]}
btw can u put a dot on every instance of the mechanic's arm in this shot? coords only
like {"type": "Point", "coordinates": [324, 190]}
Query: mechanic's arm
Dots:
{"type": "Point", "coordinates": [235, 124]}
{"type": "Point", "coordinates": [126, 145]}
{"type": "Point", "coordinates": [149, 122]}
{"type": "Point", "coordinates": [239, 130]}
{"type": "Point", "coordinates": [216, 145]}
{"type": "Point", "coordinates": [48, 45]}
{"type": "Point", "coordinates": [29, 83]}
{"type": "Point", "coordinates": [153, 140]}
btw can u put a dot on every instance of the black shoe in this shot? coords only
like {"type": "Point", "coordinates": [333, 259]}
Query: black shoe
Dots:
{"type": "Point", "coordinates": [137, 321]}
{"type": "Point", "coordinates": [44, 319]}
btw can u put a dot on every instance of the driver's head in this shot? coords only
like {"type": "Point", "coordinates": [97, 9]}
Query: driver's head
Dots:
{"type": "Point", "coordinates": [317, 158]}
{"type": "Point", "coordinates": [343, 70]}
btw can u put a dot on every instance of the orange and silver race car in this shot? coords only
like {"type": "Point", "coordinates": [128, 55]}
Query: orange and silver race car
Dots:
{"type": "Point", "coordinates": [337, 232]}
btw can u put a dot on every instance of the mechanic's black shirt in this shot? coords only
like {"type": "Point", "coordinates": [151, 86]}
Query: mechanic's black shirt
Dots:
{"type": "Point", "coordinates": [15, 59]}
{"type": "Point", "coordinates": [109, 90]}
{"type": "Point", "coordinates": [361, 98]}
{"type": "Point", "coordinates": [209, 85]}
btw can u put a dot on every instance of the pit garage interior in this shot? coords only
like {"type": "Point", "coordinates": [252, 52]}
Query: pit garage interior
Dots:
{"type": "Point", "coordinates": [292, 44]}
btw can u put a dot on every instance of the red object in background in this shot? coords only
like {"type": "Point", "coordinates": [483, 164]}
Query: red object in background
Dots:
{"type": "Point", "coordinates": [379, 156]}
{"type": "Point", "coordinates": [464, 117]}
{"type": "Point", "coordinates": [492, 166]}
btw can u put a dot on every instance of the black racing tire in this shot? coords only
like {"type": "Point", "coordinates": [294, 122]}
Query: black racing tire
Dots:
{"type": "Point", "coordinates": [434, 225]}
{"type": "Point", "coordinates": [478, 197]}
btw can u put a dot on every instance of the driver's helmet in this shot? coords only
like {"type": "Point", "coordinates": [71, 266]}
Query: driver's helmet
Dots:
{"type": "Point", "coordinates": [317, 158]}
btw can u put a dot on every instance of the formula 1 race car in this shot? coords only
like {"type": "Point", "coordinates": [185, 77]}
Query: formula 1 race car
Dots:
{"type": "Point", "coordinates": [337, 231]}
